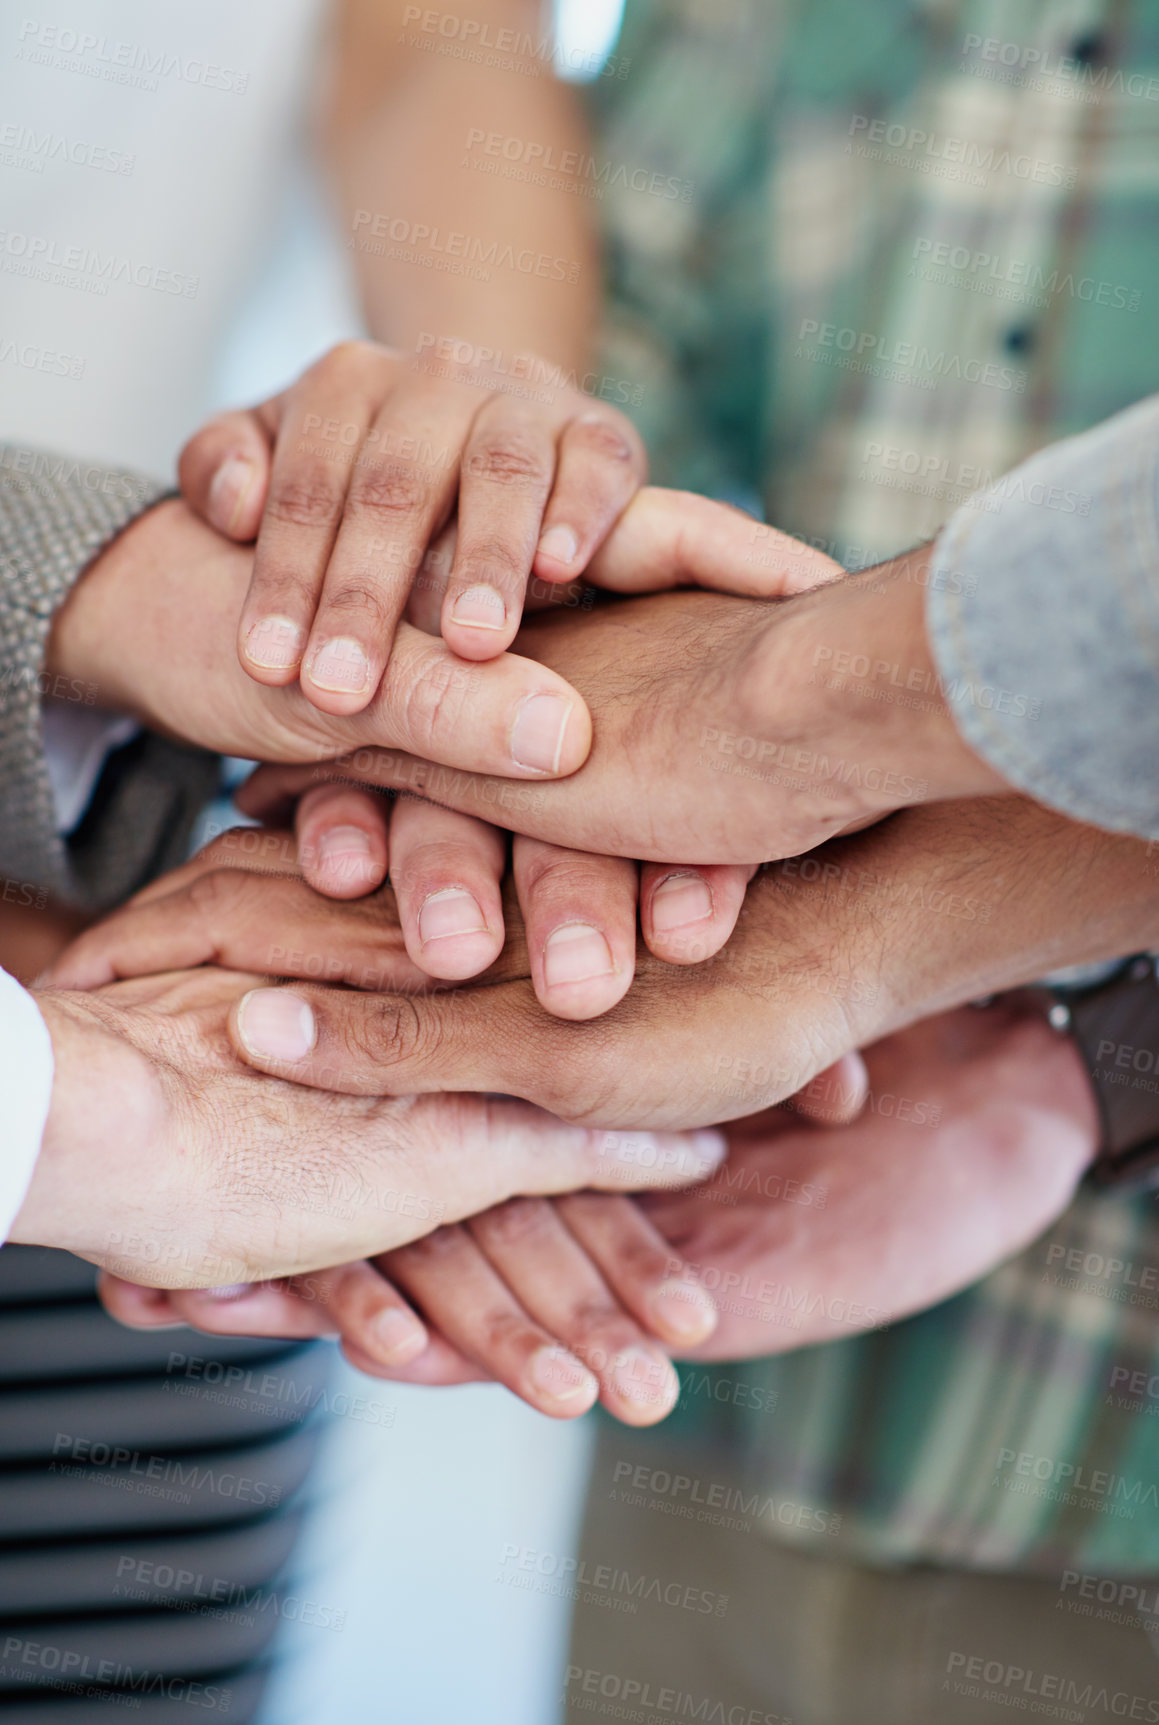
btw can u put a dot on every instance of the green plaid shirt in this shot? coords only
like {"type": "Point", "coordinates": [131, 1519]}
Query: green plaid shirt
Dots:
{"type": "Point", "coordinates": [921, 241]}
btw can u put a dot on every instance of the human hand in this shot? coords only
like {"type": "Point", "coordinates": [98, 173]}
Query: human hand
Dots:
{"type": "Point", "coordinates": [978, 1126]}
{"type": "Point", "coordinates": [930, 909]}
{"type": "Point", "coordinates": [151, 627]}
{"type": "Point", "coordinates": [722, 733]}
{"type": "Point", "coordinates": [345, 479]}
{"type": "Point", "coordinates": [563, 1301]}
{"type": "Point", "coordinates": [165, 1159]}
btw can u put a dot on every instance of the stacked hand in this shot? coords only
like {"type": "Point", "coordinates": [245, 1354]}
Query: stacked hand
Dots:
{"type": "Point", "coordinates": [978, 1126]}
{"type": "Point", "coordinates": [721, 740]}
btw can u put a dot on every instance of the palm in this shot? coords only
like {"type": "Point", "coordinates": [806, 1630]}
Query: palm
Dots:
{"type": "Point", "coordinates": [979, 1126]}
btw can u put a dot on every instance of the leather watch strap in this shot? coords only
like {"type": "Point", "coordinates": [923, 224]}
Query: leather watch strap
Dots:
{"type": "Point", "coordinates": [1115, 1026]}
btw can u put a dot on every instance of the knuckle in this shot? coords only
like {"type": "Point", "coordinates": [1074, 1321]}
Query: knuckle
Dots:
{"type": "Point", "coordinates": [506, 1330]}
{"type": "Point", "coordinates": [606, 439]}
{"type": "Point", "coordinates": [388, 1030]}
{"type": "Point", "coordinates": [397, 490]}
{"type": "Point", "coordinates": [508, 460]}
{"type": "Point", "coordinates": [517, 1221]}
{"type": "Point", "coordinates": [214, 897]}
{"type": "Point", "coordinates": [350, 355]}
{"type": "Point", "coordinates": [432, 705]}
{"type": "Point", "coordinates": [305, 499]}
{"type": "Point", "coordinates": [496, 560]}
{"type": "Point", "coordinates": [357, 600]}
{"type": "Point", "coordinates": [446, 1242]}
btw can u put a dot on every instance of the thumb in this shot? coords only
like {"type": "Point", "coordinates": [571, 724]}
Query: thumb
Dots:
{"type": "Point", "coordinates": [676, 539]}
{"type": "Point", "coordinates": [224, 469]}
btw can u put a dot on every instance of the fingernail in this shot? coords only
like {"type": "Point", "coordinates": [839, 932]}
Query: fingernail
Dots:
{"type": "Point", "coordinates": [452, 911]}
{"type": "Point", "coordinates": [236, 1291]}
{"type": "Point", "coordinates": [344, 851]}
{"type": "Point", "coordinates": [341, 666]}
{"type": "Point", "coordinates": [275, 1024]}
{"type": "Point", "coordinates": [644, 1379]}
{"type": "Point", "coordinates": [396, 1336]}
{"type": "Point", "coordinates": [275, 643]}
{"type": "Point", "coordinates": [679, 900]}
{"type": "Point", "coordinates": [229, 490]}
{"type": "Point", "coordinates": [559, 1375]}
{"type": "Point", "coordinates": [685, 1310]}
{"type": "Point", "coordinates": [480, 608]}
{"type": "Point", "coordinates": [560, 543]}
{"type": "Point", "coordinates": [576, 953]}
{"type": "Point", "coordinates": [538, 732]}
{"type": "Point", "coordinates": [686, 1157]}
{"type": "Point", "coordinates": [710, 1148]}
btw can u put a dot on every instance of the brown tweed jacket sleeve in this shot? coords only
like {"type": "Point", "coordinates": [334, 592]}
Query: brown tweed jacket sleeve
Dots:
{"type": "Point", "coordinates": [56, 514]}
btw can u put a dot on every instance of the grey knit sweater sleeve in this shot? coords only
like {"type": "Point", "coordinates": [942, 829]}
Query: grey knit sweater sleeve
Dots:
{"type": "Point", "coordinates": [1043, 615]}
{"type": "Point", "coordinates": [56, 514]}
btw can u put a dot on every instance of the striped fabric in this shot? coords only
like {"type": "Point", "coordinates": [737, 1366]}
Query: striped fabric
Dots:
{"type": "Point", "coordinates": [922, 241]}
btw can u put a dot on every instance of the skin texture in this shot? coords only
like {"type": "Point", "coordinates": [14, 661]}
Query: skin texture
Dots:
{"type": "Point", "coordinates": [930, 909]}
{"type": "Point", "coordinates": [163, 1154]}
{"type": "Point", "coordinates": [718, 738]}
{"type": "Point", "coordinates": [979, 1125]}
{"type": "Point", "coordinates": [152, 625]}
{"type": "Point", "coordinates": [345, 479]}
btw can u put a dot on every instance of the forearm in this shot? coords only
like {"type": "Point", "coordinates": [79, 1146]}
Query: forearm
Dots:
{"type": "Point", "coordinates": [503, 262]}
{"type": "Point", "coordinates": [944, 904]}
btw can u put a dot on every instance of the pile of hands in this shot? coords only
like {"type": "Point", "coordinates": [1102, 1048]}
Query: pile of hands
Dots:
{"type": "Point", "coordinates": [559, 1074]}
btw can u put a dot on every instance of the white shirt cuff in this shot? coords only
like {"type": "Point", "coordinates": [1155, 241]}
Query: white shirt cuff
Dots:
{"type": "Point", "coordinates": [26, 1069]}
{"type": "Point", "coordinates": [77, 742]}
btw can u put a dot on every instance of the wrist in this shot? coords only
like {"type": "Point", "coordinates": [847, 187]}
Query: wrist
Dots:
{"type": "Point", "coordinates": [134, 626]}
{"type": "Point", "coordinates": [849, 668]}
{"type": "Point", "coordinates": [977, 897]}
{"type": "Point", "coordinates": [106, 1102]}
